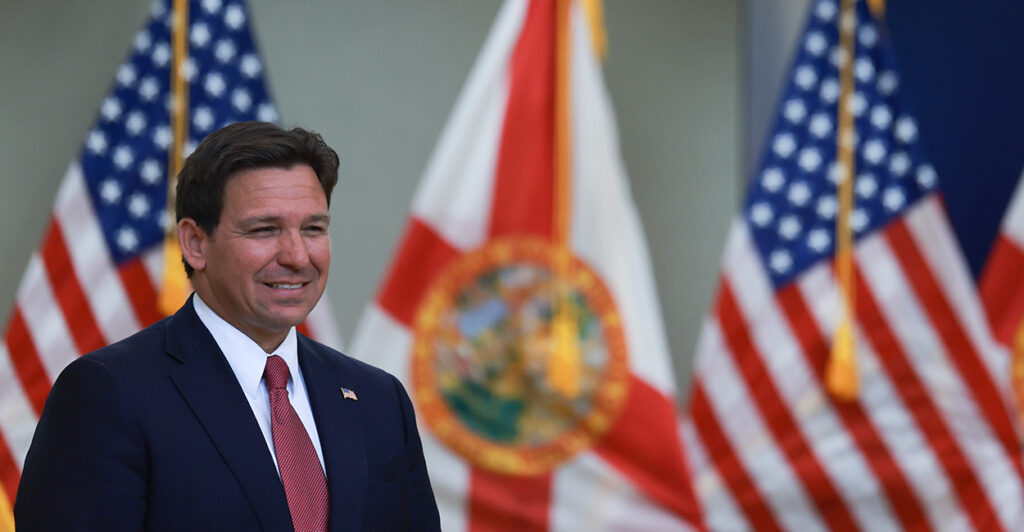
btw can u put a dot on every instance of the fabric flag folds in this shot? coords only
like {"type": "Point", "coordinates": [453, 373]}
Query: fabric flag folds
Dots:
{"type": "Point", "coordinates": [1002, 288]}
{"type": "Point", "coordinates": [95, 276]}
{"type": "Point", "coordinates": [520, 308]}
{"type": "Point", "coordinates": [927, 443]}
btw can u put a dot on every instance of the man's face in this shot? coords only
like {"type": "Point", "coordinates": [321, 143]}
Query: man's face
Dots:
{"type": "Point", "coordinates": [266, 263]}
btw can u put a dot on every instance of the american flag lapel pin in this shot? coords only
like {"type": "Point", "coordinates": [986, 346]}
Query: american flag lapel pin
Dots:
{"type": "Point", "coordinates": [348, 394]}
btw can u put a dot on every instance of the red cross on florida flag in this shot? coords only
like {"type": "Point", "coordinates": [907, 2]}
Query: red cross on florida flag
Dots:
{"type": "Point", "coordinates": [520, 308]}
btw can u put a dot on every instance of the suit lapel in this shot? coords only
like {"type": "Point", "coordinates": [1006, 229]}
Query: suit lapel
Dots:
{"type": "Point", "coordinates": [339, 425]}
{"type": "Point", "coordinates": [211, 390]}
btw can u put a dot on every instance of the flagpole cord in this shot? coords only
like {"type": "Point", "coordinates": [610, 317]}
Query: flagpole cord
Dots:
{"type": "Point", "coordinates": [564, 359]}
{"type": "Point", "coordinates": [842, 377]}
{"type": "Point", "coordinates": [174, 286]}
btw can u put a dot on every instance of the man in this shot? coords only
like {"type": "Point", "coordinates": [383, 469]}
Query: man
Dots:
{"type": "Point", "coordinates": [222, 417]}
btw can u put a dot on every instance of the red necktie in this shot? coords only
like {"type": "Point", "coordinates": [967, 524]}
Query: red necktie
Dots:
{"type": "Point", "coordinates": [305, 486]}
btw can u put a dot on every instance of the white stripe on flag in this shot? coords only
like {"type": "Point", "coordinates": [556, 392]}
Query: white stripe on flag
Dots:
{"type": "Point", "coordinates": [321, 324]}
{"type": "Point", "coordinates": [806, 402]}
{"type": "Point", "coordinates": [153, 261]}
{"type": "Point", "coordinates": [732, 406]}
{"type": "Point", "coordinates": [384, 342]}
{"type": "Point", "coordinates": [449, 478]}
{"type": "Point", "coordinates": [44, 319]}
{"type": "Point", "coordinates": [885, 408]}
{"type": "Point", "coordinates": [717, 503]}
{"type": "Point", "coordinates": [90, 258]}
{"type": "Point", "coordinates": [928, 225]}
{"type": "Point", "coordinates": [592, 495]}
{"type": "Point", "coordinates": [930, 360]}
{"type": "Point", "coordinates": [454, 196]}
{"type": "Point", "coordinates": [606, 231]}
{"type": "Point", "coordinates": [17, 419]}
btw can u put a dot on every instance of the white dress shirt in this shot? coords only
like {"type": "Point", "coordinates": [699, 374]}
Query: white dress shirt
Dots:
{"type": "Point", "coordinates": [247, 360]}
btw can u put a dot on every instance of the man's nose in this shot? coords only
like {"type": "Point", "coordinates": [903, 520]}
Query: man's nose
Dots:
{"type": "Point", "coordinates": [293, 251]}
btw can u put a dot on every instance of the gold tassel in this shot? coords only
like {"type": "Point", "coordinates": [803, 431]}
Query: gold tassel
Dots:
{"type": "Point", "coordinates": [563, 368]}
{"type": "Point", "coordinates": [174, 286]}
{"type": "Point", "coordinates": [6, 512]}
{"type": "Point", "coordinates": [842, 376]}
{"type": "Point", "coordinates": [1017, 367]}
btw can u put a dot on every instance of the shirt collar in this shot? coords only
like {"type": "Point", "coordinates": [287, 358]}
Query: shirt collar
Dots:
{"type": "Point", "coordinates": [246, 358]}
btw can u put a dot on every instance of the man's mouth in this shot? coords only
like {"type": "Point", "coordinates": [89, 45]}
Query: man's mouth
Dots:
{"type": "Point", "coordinates": [286, 286]}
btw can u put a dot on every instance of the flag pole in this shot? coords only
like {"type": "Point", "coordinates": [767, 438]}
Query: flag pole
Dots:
{"type": "Point", "coordinates": [174, 285]}
{"type": "Point", "coordinates": [842, 376]}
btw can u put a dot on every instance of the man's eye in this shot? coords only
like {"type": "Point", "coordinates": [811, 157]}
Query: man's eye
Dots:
{"type": "Point", "coordinates": [316, 229]}
{"type": "Point", "coordinates": [261, 230]}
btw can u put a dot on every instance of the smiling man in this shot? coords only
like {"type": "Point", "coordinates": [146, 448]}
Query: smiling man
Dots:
{"type": "Point", "coordinates": [222, 416]}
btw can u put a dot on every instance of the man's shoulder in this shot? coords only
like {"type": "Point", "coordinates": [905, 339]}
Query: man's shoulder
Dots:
{"type": "Point", "coordinates": [347, 367]}
{"type": "Point", "coordinates": [339, 360]}
{"type": "Point", "coordinates": [133, 353]}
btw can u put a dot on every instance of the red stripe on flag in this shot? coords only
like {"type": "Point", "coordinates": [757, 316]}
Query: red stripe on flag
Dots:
{"type": "Point", "coordinates": [726, 462]}
{"type": "Point", "coordinates": [776, 414]}
{"type": "Point", "coordinates": [959, 347]}
{"type": "Point", "coordinates": [140, 290]}
{"type": "Point", "coordinates": [644, 445]}
{"type": "Point", "coordinates": [508, 502]}
{"type": "Point", "coordinates": [927, 417]}
{"type": "Point", "coordinates": [68, 292]}
{"type": "Point", "coordinates": [1004, 302]}
{"type": "Point", "coordinates": [902, 500]}
{"type": "Point", "coordinates": [304, 329]}
{"type": "Point", "coordinates": [9, 475]}
{"type": "Point", "coordinates": [34, 380]}
{"type": "Point", "coordinates": [422, 254]}
{"type": "Point", "coordinates": [524, 182]}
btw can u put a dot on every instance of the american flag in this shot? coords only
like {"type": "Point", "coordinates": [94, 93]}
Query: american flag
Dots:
{"type": "Point", "coordinates": [928, 443]}
{"type": "Point", "coordinates": [95, 276]}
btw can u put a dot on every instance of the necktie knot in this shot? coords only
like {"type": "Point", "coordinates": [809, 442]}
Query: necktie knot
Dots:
{"type": "Point", "coordinates": [276, 373]}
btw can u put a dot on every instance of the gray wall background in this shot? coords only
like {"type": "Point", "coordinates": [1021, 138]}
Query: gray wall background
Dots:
{"type": "Point", "coordinates": [378, 78]}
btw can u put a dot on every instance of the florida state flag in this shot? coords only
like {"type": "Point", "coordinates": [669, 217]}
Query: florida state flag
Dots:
{"type": "Point", "coordinates": [520, 309]}
{"type": "Point", "coordinates": [1002, 288]}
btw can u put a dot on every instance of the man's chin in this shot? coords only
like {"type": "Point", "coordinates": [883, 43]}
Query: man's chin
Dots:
{"type": "Point", "coordinates": [286, 317]}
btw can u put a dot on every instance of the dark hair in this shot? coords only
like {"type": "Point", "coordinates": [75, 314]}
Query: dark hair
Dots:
{"type": "Point", "coordinates": [245, 146]}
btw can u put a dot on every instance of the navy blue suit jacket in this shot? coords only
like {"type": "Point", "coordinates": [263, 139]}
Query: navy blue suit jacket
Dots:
{"type": "Point", "coordinates": [154, 433]}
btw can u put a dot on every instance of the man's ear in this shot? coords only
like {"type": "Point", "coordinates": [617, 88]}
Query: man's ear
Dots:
{"type": "Point", "coordinates": [192, 240]}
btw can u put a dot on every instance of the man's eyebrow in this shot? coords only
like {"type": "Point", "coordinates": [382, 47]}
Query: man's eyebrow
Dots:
{"type": "Point", "coordinates": [256, 220]}
{"type": "Point", "coordinates": [323, 218]}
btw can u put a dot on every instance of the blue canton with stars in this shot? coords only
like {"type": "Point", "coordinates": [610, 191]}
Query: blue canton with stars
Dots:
{"type": "Point", "coordinates": [125, 155]}
{"type": "Point", "coordinates": [792, 205]}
